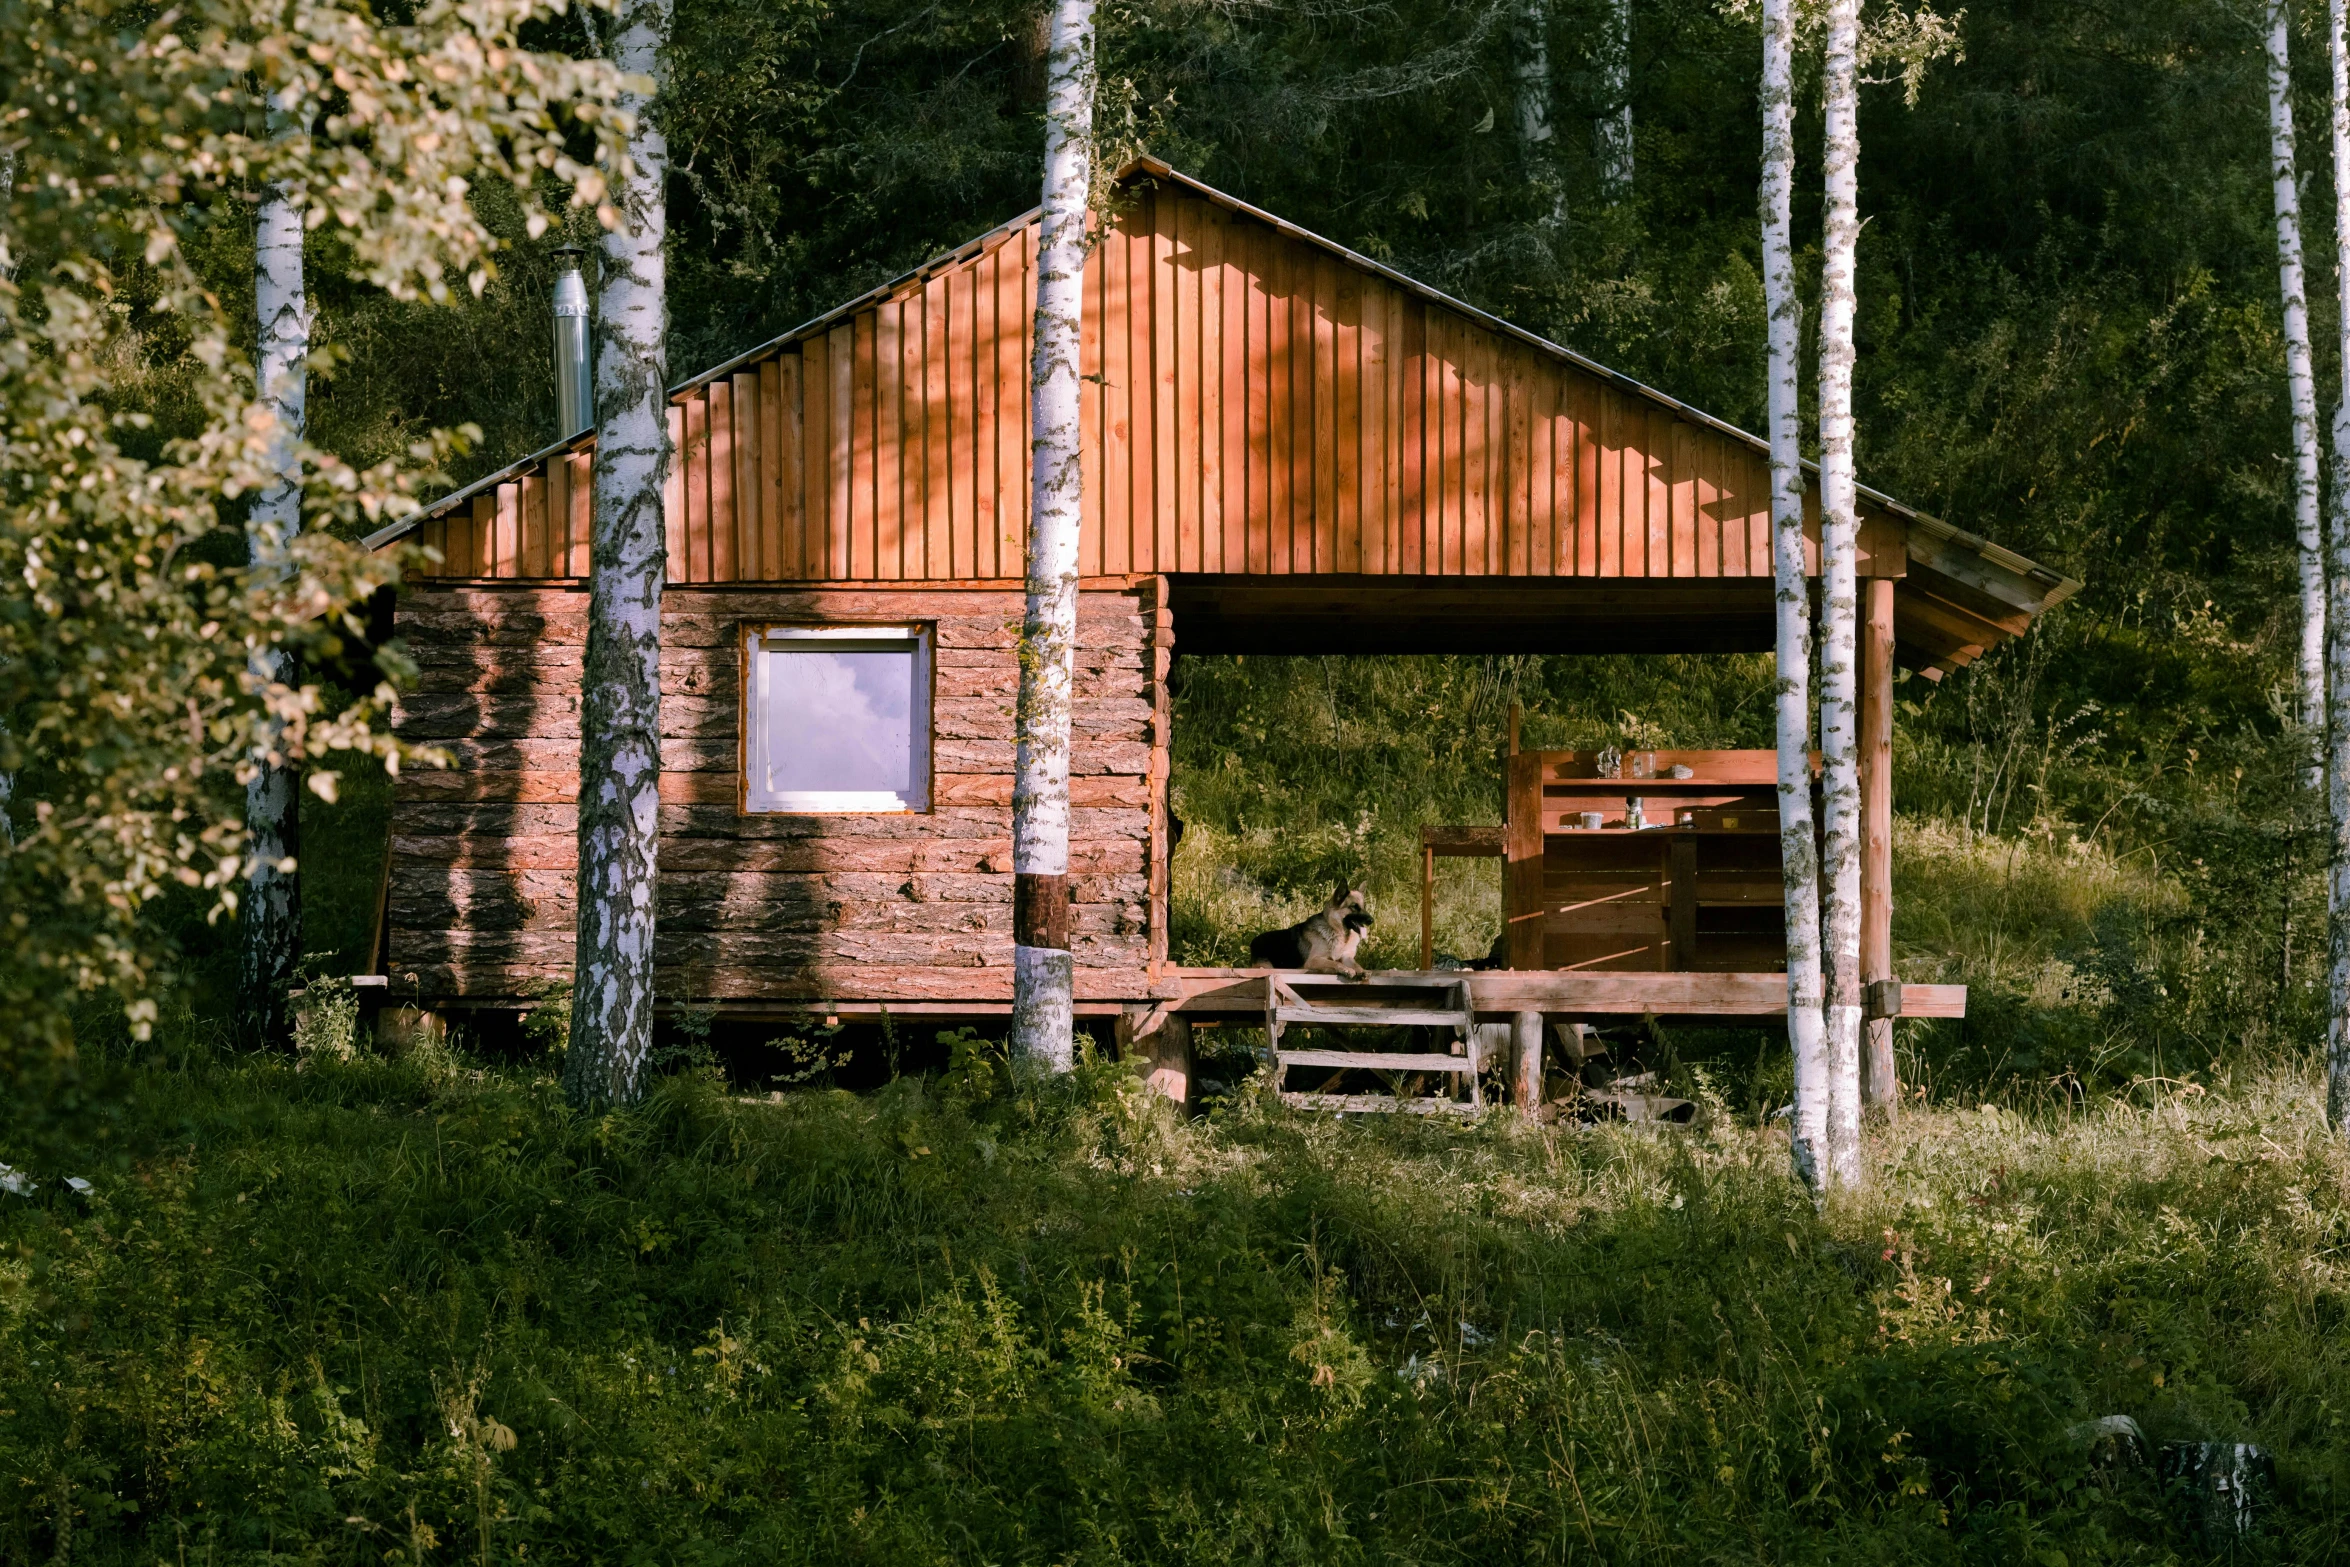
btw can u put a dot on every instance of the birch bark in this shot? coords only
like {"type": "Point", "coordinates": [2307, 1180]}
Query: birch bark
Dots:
{"type": "Point", "coordinates": [1612, 136]}
{"type": "Point", "coordinates": [270, 913]}
{"type": "Point", "coordinates": [2338, 616]}
{"type": "Point", "coordinates": [1043, 972]}
{"type": "Point", "coordinates": [2300, 379]}
{"type": "Point", "coordinates": [1798, 849]}
{"type": "Point", "coordinates": [620, 706]}
{"type": "Point", "coordinates": [1534, 128]}
{"type": "Point", "coordinates": [7, 275]}
{"type": "Point", "coordinates": [1840, 592]}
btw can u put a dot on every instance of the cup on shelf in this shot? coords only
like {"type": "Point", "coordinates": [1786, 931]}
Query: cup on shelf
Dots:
{"type": "Point", "coordinates": [1592, 820]}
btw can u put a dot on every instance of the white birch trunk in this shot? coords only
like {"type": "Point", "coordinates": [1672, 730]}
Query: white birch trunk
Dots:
{"type": "Point", "coordinates": [1043, 973]}
{"type": "Point", "coordinates": [620, 707]}
{"type": "Point", "coordinates": [1533, 104]}
{"type": "Point", "coordinates": [1806, 1031]}
{"type": "Point", "coordinates": [1840, 592]}
{"type": "Point", "coordinates": [2338, 618]}
{"type": "Point", "coordinates": [271, 909]}
{"type": "Point", "coordinates": [1611, 137]}
{"type": "Point", "coordinates": [7, 274]}
{"type": "Point", "coordinates": [2300, 380]}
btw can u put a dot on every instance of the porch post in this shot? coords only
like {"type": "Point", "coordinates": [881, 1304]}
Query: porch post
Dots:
{"type": "Point", "coordinates": [1880, 1090]}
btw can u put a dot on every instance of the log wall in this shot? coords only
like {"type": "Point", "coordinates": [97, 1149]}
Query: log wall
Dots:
{"type": "Point", "coordinates": [912, 907]}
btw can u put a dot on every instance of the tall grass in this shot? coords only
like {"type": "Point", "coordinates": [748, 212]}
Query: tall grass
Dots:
{"type": "Point", "coordinates": [420, 1311]}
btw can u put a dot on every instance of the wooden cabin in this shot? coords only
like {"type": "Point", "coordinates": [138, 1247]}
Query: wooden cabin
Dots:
{"type": "Point", "coordinates": [1288, 448]}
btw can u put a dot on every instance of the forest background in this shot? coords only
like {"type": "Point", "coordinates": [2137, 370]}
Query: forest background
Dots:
{"type": "Point", "coordinates": [281, 1327]}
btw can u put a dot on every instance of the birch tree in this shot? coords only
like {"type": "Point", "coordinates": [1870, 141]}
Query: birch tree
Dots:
{"type": "Point", "coordinates": [272, 909]}
{"type": "Point", "coordinates": [620, 706]}
{"type": "Point", "coordinates": [1535, 137]}
{"type": "Point", "coordinates": [2300, 379]}
{"type": "Point", "coordinates": [1611, 136]}
{"type": "Point", "coordinates": [1043, 972]}
{"type": "Point", "coordinates": [1798, 851]}
{"type": "Point", "coordinates": [2338, 614]}
{"type": "Point", "coordinates": [1840, 589]}
{"type": "Point", "coordinates": [125, 652]}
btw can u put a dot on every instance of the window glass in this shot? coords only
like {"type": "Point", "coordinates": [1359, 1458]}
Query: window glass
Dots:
{"type": "Point", "coordinates": [838, 720]}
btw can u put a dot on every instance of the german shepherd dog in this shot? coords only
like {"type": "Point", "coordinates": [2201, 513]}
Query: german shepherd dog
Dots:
{"type": "Point", "coordinates": [1325, 943]}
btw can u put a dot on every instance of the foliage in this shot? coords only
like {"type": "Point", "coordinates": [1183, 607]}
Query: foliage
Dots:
{"type": "Point", "coordinates": [128, 676]}
{"type": "Point", "coordinates": [402, 1308]}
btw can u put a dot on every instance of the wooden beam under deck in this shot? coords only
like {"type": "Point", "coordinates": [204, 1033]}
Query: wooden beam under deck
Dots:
{"type": "Point", "coordinates": [1502, 993]}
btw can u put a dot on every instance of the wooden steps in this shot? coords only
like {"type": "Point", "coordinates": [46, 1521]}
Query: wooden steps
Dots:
{"type": "Point", "coordinates": [1440, 1002]}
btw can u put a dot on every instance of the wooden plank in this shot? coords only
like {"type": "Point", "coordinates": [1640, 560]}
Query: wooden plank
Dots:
{"type": "Point", "coordinates": [580, 511]}
{"type": "Point", "coordinates": [1681, 482]}
{"type": "Point", "coordinates": [1158, 251]}
{"type": "Point", "coordinates": [1444, 447]}
{"type": "Point", "coordinates": [506, 559]}
{"type": "Point", "coordinates": [1277, 260]}
{"type": "Point", "coordinates": [1321, 304]}
{"type": "Point", "coordinates": [1612, 525]}
{"type": "Point", "coordinates": [763, 536]}
{"type": "Point", "coordinates": [1228, 241]}
{"type": "Point", "coordinates": [1681, 915]}
{"type": "Point", "coordinates": [1118, 403]}
{"type": "Point", "coordinates": [469, 534]}
{"type": "Point", "coordinates": [858, 394]}
{"type": "Point", "coordinates": [1464, 842]}
{"type": "Point", "coordinates": [1478, 423]}
{"type": "Point", "coordinates": [1015, 288]}
{"type": "Point", "coordinates": [1415, 519]}
{"type": "Point", "coordinates": [961, 451]}
{"type": "Point", "coordinates": [723, 473]}
{"type": "Point", "coordinates": [1517, 467]}
{"type": "Point", "coordinates": [787, 532]}
{"type": "Point", "coordinates": [1522, 870]}
{"type": "Point", "coordinates": [822, 451]}
{"type": "Point", "coordinates": [1373, 1016]}
{"type": "Point", "coordinates": [531, 559]}
{"type": "Point", "coordinates": [1541, 477]}
{"type": "Point", "coordinates": [1374, 1060]}
{"type": "Point", "coordinates": [693, 460]}
{"type": "Point", "coordinates": [896, 412]}
{"type": "Point", "coordinates": [986, 480]}
{"type": "Point", "coordinates": [1346, 413]}
{"type": "Point", "coordinates": [935, 485]}
{"type": "Point", "coordinates": [1375, 483]}
{"type": "Point", "coordinates": [1378, 1104]}
{"type": "Point", "coordinates": [749, 419]}
{"type": "Point", "coordinates": [1187, 469]}
{"type": "Point", "coordinates": [1258, 359]}
{"type": "Point", "coordinates": [1657, 467]}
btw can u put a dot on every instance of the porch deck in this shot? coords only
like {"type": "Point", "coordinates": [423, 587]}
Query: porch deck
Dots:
{"type": "Point", "coordinates": [1497, 994]}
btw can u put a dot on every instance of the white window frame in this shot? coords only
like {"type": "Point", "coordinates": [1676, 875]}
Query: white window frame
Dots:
{"type": "Point", "coordinates": [760, 801]}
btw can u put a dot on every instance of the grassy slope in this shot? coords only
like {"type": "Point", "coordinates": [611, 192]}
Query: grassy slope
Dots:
{"type": "Point", "coordinates": [342, 1313]}
{"type": "Point", "coordinates": [419, 1311]}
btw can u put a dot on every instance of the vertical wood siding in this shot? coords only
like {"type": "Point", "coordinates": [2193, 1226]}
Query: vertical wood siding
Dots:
{"type": "Point", "coordinates": [1254, 404]}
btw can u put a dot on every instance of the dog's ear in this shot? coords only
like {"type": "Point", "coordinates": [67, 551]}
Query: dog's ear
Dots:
{"type": "Point", "coordinates": [1342, 894]}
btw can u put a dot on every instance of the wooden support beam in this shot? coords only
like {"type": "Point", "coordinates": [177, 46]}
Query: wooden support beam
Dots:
{"type": "Point", "coordinates": [1521, 902]}
{"type": "Point", "coordinates": [1880, 1090]}
{"type": "Point", "coordinates": [1156, 1041]}
{"type": "Point", "coordinates": [1427, 904]}
{"type": "Point", "coordinates": [1526, 1062]}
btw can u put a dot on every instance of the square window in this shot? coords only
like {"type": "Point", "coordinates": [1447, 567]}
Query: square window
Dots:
{"type": "Point", "coordinates": [836, 718]}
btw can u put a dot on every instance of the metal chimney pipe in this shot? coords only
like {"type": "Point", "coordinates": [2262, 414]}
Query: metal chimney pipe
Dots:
{"type": "Point", "coordinates": [575, 398]}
